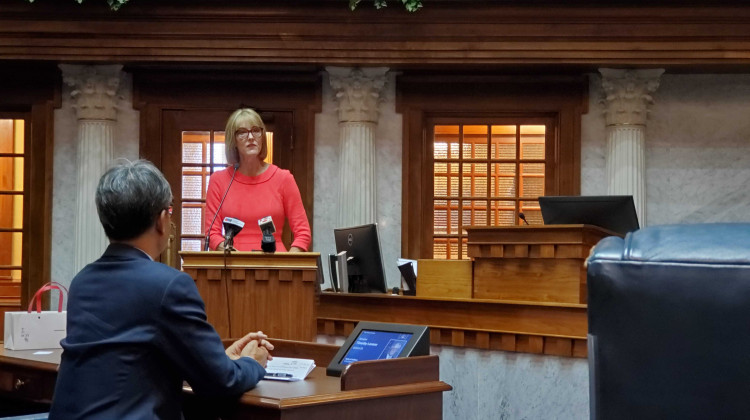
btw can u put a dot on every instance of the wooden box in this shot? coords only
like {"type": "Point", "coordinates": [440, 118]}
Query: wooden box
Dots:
{"type": "Point", "coordinates": [444, 278]}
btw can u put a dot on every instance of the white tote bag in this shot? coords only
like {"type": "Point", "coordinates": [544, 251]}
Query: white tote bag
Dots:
{"type": "Point", "coordinates": [27, 330]}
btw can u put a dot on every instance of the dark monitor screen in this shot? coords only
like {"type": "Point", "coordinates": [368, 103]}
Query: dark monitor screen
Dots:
{"type": "Point", "coordinates": [365, 261]}
{"type": "Point", "coordinates": [612, 212]}
{"type": "Point", "coordinates": [378, 341]}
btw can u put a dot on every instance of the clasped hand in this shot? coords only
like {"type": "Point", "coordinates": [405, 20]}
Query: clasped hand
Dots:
{"type": "Point", "coordinates": [255, 345]}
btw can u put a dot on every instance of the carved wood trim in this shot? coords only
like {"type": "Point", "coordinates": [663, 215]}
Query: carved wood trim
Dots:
{"type": "Point", "coordinates": [327, 33]}
{"type": "Point", "coordinates": [527, 327]}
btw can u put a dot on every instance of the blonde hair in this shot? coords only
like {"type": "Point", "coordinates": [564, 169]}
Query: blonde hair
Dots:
{"type": "Point", "coordinates": [239, 117]}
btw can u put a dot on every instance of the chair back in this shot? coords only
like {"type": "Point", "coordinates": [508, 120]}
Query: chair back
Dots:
{"type": "Point", "coordinates": [669, 323]}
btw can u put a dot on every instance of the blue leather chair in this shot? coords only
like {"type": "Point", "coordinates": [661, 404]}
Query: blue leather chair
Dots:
{"type": "Point", "coordinates": [669, 323]}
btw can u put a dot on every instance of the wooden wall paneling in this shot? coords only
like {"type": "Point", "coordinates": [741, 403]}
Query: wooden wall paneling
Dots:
{"type": "Point", "coordinates": [529, 344]}
{"type": "Point", "coordinates": [445, 278]}
{"type": "Point", "coordinates": [461, 322]}
{"type": "Point", "coordinates": [528, 279]}
{"type": "Point", "coordinates": [328, 327]}
{"type": "Point", "coordinates": [37, 240]}
{"type": "Point", "coordinates": [216, 297]}
{"type": "Point", "coordinates": [506, 342]}
{"type": "Point", "coordinates": [390, 372]}
{"type": "Point", "coordinates": [414, 232]}
{"type": "Point", "coordinates": [240, 301]}
{"type": "Point", "coordinates": [572, 34]}
{"type": "Point", "coordinates": [539, 263]}
{"type": "Point", "coordinates": [268, 292]}
{"type": "Point", "coordinates": [558, 346]}
{"type": "Point", "coordinates": [580, 348]}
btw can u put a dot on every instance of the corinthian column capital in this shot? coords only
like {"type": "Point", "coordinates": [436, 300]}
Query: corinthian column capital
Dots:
{"type": "Point", "coordinates": [628, 94]}
{"type": "Point", "coordinates": [94, 91]}
{"type": "Point", "coordinates": [357, 92]}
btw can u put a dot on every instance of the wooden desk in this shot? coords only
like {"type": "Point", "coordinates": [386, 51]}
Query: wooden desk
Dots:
{"type": "Point", "coordinates": [409, 388]}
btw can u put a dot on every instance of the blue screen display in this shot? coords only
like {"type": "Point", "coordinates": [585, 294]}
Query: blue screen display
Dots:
{"type": "Point", "coordinates": [376, 345]}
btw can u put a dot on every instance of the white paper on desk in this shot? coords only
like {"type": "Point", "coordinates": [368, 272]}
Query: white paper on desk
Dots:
{"type": "Point", "coordinates": [288, 369]}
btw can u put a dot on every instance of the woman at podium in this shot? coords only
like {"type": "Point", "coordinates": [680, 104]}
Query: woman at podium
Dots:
{"type": "Point", "coordinates": [251, 190]}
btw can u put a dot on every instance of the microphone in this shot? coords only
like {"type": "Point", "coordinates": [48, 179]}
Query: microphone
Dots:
{"type": "Point", "coordinates": [208, 231]}
{"type": "Point", "coordinates": [523, 217]}
{"type": "Point", "coordinates": [268, 243]}
{"type": "Point", "coordinates": [232, 227]}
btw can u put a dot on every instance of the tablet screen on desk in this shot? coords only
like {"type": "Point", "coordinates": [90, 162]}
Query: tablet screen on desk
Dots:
{"type": "Point", "coordinates": [376, 345]}
{"type": "Point", "coordinates": [378, 341]}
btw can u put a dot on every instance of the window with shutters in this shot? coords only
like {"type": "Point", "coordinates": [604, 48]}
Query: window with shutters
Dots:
{"type": "Point", "coordinates": [480, 149]}
{"type": "Point", "coordinates": [484, 174]}
{"type": "Point", "coordinates": [12, 159]}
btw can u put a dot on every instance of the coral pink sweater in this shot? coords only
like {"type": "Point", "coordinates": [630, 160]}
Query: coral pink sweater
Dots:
{"type": "Point", "coordinates": [272, 193]}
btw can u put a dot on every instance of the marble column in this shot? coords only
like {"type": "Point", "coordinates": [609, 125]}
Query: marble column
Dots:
{"type": "Point", "coordinates": [94, 96]}
{"type": "Point", "coordinates": [357, 92]}
{"type": "Point", "coordinates": [627, 101]}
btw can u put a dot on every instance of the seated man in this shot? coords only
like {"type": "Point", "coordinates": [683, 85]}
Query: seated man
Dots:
{"type": "Point", "coordinates": [137, 328]}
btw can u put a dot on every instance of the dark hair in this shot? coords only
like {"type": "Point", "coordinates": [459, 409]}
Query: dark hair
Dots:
{"type": "Point", "coordinates": [129, 199]}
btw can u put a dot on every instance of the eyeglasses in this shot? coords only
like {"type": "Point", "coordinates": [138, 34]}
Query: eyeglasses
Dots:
{"type": "Point", "coordinates": [244, 134]}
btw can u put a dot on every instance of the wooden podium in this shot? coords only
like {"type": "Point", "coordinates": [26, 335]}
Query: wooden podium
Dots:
{"type": "Point", "coordinates": [251, 291]}
{"type": "Point", "coordinates": [532, 263]}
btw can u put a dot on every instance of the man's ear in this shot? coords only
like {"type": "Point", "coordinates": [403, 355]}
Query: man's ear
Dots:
{"type": "Point", "coordinates": [162, 223]}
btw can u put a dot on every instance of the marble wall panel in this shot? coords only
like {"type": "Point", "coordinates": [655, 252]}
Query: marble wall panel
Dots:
{"type": "Point", "coordinates": [387, 140]}
{"type": "Point", "coordinates": [697, 149]}
{"type": "Point", "coordinates": [126, 144]}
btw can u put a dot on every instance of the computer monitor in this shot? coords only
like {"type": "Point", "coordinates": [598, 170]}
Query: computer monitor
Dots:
{"type": "Point", "coordinates": [379, 340]}
{"type": "Point", "coordinates": [364, 259]}
{"type": "Point", "coordinates": [612, 212]}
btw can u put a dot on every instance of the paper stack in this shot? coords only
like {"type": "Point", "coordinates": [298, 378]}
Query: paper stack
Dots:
{"type": "Point", "coordinates": [289, 369]}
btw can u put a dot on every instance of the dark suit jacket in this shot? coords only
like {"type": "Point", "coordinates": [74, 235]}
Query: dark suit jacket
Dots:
{"type": "Point", "coordinates": [137, 329]}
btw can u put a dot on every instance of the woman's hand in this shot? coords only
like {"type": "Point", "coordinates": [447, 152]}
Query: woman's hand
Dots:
{"type": "Point", "coordinates": [295, 249]}
{"type": "Point", "coordinates": [220, 247]}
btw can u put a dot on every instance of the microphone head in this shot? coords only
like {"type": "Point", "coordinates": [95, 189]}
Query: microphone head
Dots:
{"type": "Point", "coordinates": [268, 243]}
{"type": "Point", "coordinates": [236, 166]}
{"type": "Point", "coordinates": [266, 225]}
{"type": "Point", "coordinates": [522, 216]}
{"type": "Point", "coordinates": [232, 227]}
